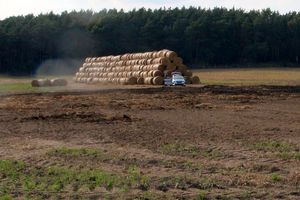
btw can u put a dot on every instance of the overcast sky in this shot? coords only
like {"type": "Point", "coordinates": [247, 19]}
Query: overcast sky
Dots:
{"type": "Point", "coordinates": [23, 7]}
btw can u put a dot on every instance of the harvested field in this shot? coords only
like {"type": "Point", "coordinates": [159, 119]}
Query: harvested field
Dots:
{"type": "Point", "coordinates": [212, 142]}
{"type": "Point", "coordinates": [250, 76]}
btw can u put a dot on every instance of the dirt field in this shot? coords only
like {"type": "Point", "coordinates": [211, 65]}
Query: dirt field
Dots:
{"type": "Point", "coordinates": [213, 142]}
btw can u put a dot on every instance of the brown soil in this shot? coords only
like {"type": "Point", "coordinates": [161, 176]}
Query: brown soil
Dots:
{"type": "Point", "coordinates": [208, 136]}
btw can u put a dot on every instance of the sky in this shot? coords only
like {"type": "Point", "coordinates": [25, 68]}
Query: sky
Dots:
{"type": "Point", "coordinates": [22, 7]}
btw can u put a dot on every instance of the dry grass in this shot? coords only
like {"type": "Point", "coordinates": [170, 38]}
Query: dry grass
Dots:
{"type": "Point", "coordinates": [10, 84]}
{"type": "Point", "coordinates": [253, 76]}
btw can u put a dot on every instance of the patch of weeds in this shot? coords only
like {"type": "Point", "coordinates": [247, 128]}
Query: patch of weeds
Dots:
{"type": "Point", "coordinates": [183, 183]}
{"type": "Point", "coordinates": [148, 196]}
{"type": "Point", "coordinates": [273, 146]}
{"type": "Point", "coordinates": [136, 180]}
{"type": "Point", "coordinates": [76, 152]}
{"type": "Point", "coordinates": [297, 155]}
{"type": "Point", "coordinates": [11, 169]}
{"type": "Point", "coordinates": [202, 195]}
{"type": "Point", "coordinates": [84, 178]}
{"type": "Point", "coordinates": [6, 197]}
{"type": "Point", "coordinates": [180, 148]}
{"type": "Point", "coordinates": [275, 177]}
{"type": "Point", "coordinates": [245, 195]}
{"type": "Point", "coordinates": [39, 182]}
{"type": "Point", "coordinates": [190, 150]}
{"type": "Point", "coordinates": [289, 155]}
{"type": "Point", "coordinates": [212, 153]}
{"type": "Point", "coordinates": [284, 150]}
{"type": "Point", "coordinates": [191, 165]}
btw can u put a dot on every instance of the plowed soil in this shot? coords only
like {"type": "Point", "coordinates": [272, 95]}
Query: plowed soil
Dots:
{"type": "Point", "coordinates": [212, 142]}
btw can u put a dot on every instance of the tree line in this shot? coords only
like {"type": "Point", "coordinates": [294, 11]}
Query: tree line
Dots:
{"type": "Point", "coordinates": [203, 37]}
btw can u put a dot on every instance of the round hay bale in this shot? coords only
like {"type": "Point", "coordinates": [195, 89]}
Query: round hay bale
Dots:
{"type": "Point", "coordinates": [136, 67]}
{"type": "Point", "coordinates": [35, 83]}
{"type": "Point", "coordinates": [157, 73]}
{"type": "Point", "coordinates": [135, 73]}
{"type": "Point", "coordinates": [89, 80]}
{"type": "Point", "coordinates": [41, 83]}
{"type": "Point", "coordinates": [123, 81]}
{"type": "Point", "coordinates": [132, 80]}
{"type": "Point", "coordinates": [144, 62]}
{"type": "Point", "coordinates": [110, 75]}
{"type": "Point", "coordinates": [127, 62]}
{"type": "Point", "coordinates": [158, 80]}
{"type": "Point", "coordinates": [148, 80]}
{"type": "Point", "coordinates": [161, 53]}
{"type": "Point", "coordinates": [140, 81]}
{"type": "Point", "coordinates": [182, 67]}
{"type": "Point", "coordinates": [94, 80]}
{"type": "Point", "coordinates": [145, 55]}
{"type": "Point", "coordinates": [124, 57]}
{"type": "Point", "coordinates": [152, 55]}
{"type": "Point", "coordinates": [171, 55]}
{"type": "Point", "coordinates": [195, 80]}
{"type": "Point", "coordinates": [168, 73]}
{"type": "Point", "coordinates": [58, 82]}
{"type": "Point", "coordinates": [130, 73]}
{"type": "Point", "coordinates": [117, 58]}
{"type": "Point", "coordinates": [156, 54]}
{"type": "Point", "coordinates": [150, 73]}
{"type": "Point", "coordinates": [149, 61]}
{"type": "Point", "coordinates": [118, 80]}
{"type": "Point", "coordinates": [119, 63]}
{"type": "Point", "coordinates": [178, 61]}
{"type": "Point", "coordinates": [81, 69]}
{"type": "Point", "coordinates": [135, 56]}
{"type": "Point", "coordinates": [144, 68]}
{"type": "Point", "coordinates": [171, 67]}
{"type": "Point", "coordinates": [163, 61]}
{"type": "Point", "coordinates": [120, 74]}
{"type": "Point", "coordinates": [131, 68]}
{"type": "Point", "coordinates": [141, 67]}
{"type": "Point", "coordinates": [140, 73]}
{"type": "Point", "coordinates": [158, 67]}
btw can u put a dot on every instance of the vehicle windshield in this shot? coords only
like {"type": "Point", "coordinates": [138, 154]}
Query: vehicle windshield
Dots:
{"type": "Point", "coordinates": [177, 76]}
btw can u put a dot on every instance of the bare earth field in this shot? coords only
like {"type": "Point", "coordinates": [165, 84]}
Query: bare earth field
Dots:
{"type": "Point", "coordinates": [209, 142]}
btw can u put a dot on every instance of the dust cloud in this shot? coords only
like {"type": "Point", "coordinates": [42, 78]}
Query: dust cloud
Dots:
{"type": "Point", "coordinates": [59, 67]}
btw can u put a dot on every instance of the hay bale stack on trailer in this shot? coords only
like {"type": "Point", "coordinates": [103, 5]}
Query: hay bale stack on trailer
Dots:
{"type": "Point", "coordinates": [135, 68]}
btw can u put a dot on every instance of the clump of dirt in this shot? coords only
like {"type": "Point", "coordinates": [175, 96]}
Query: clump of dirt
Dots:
{"type": "Point", "coordinates": [80, 117]}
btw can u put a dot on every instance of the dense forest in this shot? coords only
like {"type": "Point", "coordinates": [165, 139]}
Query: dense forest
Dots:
{"type": "Point", "coordinates": [203, 37]}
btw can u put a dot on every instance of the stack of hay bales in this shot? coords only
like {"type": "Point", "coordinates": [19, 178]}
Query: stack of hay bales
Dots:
{"type": "Point", "coordinates": [136, 68]}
